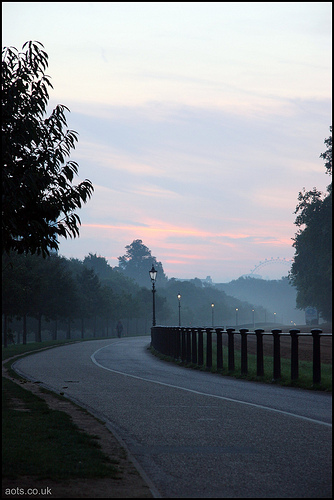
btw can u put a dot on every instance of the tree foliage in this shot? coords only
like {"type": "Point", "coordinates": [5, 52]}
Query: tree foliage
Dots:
{"type": "Point", "coordinates": [38, 198]}
{"type": "Point", "coordinates": [87, 297]}
{"type": "Point", "coordinates": [311, 271]}
{"type": "Point", "coordinates": [37, 287]}
{"type": "Point", "coordinates": [137, 262]}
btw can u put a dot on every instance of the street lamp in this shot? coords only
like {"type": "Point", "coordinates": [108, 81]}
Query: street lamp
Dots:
{"type": "Point", "coordinates": [236, 316]}
{"type": "Point", "coordinates": [179, 297]}
{"type": "Point", "coordinates": [153, 275]}
{"type": "Point", "coordinates": [253, 311]}
{"type": "Point", "coordinates": [212, 307]}
{"type": "Point", "coordinates": [274, 317]}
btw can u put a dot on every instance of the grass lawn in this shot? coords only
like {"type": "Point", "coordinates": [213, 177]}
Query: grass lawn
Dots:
{"type": "Point", "coordinates": [304, 381]}
{"type": "Point", "coordinates": [305, 369]}
{"type": "Point", "coordinates": [41, 442]}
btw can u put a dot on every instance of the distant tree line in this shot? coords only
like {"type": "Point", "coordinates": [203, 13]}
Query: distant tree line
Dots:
{"type": "Point", "coordinates": [277, 298]}
{"type": "Point", "coordinates": [86, 298]}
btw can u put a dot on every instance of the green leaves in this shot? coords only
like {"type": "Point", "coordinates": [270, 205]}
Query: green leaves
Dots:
{"type": "Point", "coordinates": [311, 271]}
{"type": "Point", "coordinates": [137, 262]}
{"type": "Point", "coordinates": [39, 199]}
{"type": "Point", "coordinates": [327, 155]}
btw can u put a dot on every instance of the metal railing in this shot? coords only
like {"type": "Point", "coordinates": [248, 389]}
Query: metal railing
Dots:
{"type": "Point", "coordinates": [187, 345]}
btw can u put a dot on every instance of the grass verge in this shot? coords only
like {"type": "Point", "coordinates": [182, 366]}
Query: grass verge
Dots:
{"type": "Point", "coordinates": [45, 443]}
{"type": "Point", "coordinates": [304, 381]}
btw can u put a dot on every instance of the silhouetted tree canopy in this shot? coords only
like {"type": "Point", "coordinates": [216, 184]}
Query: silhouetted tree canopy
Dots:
{"type": "Point", "coordinates": [311, 270]}
{"type": "Point", "coordinates": [38, 198]}
{"type": "Point", "coordinates": [70, 296]}
{"type": "Point", "coordinates": [137, 262]}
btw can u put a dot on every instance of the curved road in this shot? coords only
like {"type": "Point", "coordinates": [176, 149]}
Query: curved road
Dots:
{"type": "Point", "coordinates": [196, 434]}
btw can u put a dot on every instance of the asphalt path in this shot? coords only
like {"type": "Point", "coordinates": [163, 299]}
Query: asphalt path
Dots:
{"type": "Point", "coordinates": [195, 434]}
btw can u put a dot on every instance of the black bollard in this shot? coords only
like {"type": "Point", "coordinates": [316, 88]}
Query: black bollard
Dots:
{"type": "Point", "coordinates": [208, 348]}
{"type": "Point", "coordinates": [244, 367]}
{"type": "Point", "coordinates": [194, 345]}
{"type": "Point", "coordinates": [316, 355]}
{"type": "Point", "coordinates": [276, 354]}
{"type": "Point", "coordinates": [294, 353]}
{"type": "Point", "coordinates": [188, 345]}
{"type": "Point", "coordinates": [178, 343]}
{"type": "Point", "coordinates": [200, 347]}
{"type": "Point", "coordinates": [219, 332]}
{"type": "Point", "coordinates": [230, 349]}
{"type": "Point", "coordinates": [259, 352]}
{"type": "Point", "coordinates": [183, 345]}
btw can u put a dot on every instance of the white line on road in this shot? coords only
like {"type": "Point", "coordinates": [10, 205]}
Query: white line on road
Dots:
{"type": "Point", "coordinates": [262, 407]}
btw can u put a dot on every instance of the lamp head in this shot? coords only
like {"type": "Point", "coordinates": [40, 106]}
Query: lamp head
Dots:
{"type": "Point", "coordinates": [153, 274]}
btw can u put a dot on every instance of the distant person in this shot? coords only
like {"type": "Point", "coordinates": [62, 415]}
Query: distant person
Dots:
{"type": "Point", "coordinates": [119, 328]}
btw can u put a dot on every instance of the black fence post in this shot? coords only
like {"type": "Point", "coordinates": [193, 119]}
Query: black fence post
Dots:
{"type": "Point", "coordinates": [165, 336]}
{"type": "Point", "coordinates": [219, 332]}
{"type": "Point", "coordinates": [153, 337]}
{"type": "Point", "coordinates": [178, 343]}
{"type": "Point", "coordinates": [208, 348]}
{"type": "Point", "coordinates": [200, 347]}
{"type": "Point", "coordinates": [183, 345]}
{"type": "Point", "coordinates": [194, 345]}
{"type": "Point", "coordinates": [294, 353]}
{"type": "Point", "coordinates": [230, 349]}
{"type": "Point", "coordinates": [175, 343]}
{"type": "Point", "coordinates": [259, 352]}
{"type": "Point", "coordinates": [276, 353]}
{"type": "Point", "coordinates": [316, 355]}
{"type": "Point", "coordinates": [244, 367]}
{"type": "Point", "coordinates": [168, 333]}
{"type": "Point", "coordinates": [188, 343]}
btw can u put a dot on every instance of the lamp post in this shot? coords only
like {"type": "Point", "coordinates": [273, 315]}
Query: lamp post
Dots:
{"type": "Point", "coordinates": [236, 316]}
{"type": "Point", "coordinates": [179, 298]}
{"type": "Point", "coordinates": [253, 311]}
{"type": "Point", "coordinates": [153, 275]}
{"type": "Point", "coordinates": [212, 308]}
{"type": "Point", "coordinates": [274, 317]}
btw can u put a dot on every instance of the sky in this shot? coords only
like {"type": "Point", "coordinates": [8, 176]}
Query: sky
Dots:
{"type": "Point", "coordinates": [199, 123]}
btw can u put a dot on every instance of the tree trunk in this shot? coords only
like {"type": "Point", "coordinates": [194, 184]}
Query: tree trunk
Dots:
{"type": "Point", "coordinates": [55, 331]}
{"type": "Point", "coordinates": [5, 343]}
{"type": "Point", "coordinates": [68, 333]}
{"type": "Point", "coordinates": [39, 328]}
{"type": "Point", "coordinates": [24, 331]}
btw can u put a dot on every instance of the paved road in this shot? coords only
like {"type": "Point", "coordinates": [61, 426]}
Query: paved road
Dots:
{"type": "Point", "coordinates": [197, 434]}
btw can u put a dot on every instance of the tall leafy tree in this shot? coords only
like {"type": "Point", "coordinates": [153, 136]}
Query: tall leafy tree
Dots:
{"type": "Point", "coordinates": [311, 271]}
{"type": "Point", "coordinates": [99, 264]}
{"type": "Point", "coordinates": [37, 287]}
{"type": "Point", "coordinates": [38, 197]}
{"type": "Point", "coordinates": [91, 299]}
{"type": "Point", "coordinates": [55, 294]}
{"type": "Point", "coordinates": [137, 262]}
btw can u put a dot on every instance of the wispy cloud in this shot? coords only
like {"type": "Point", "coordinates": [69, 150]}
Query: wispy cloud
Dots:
{"type": "Point", "coordinates": [198, 126]}
{"type": "Point", "coordinates": [196, 178]}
